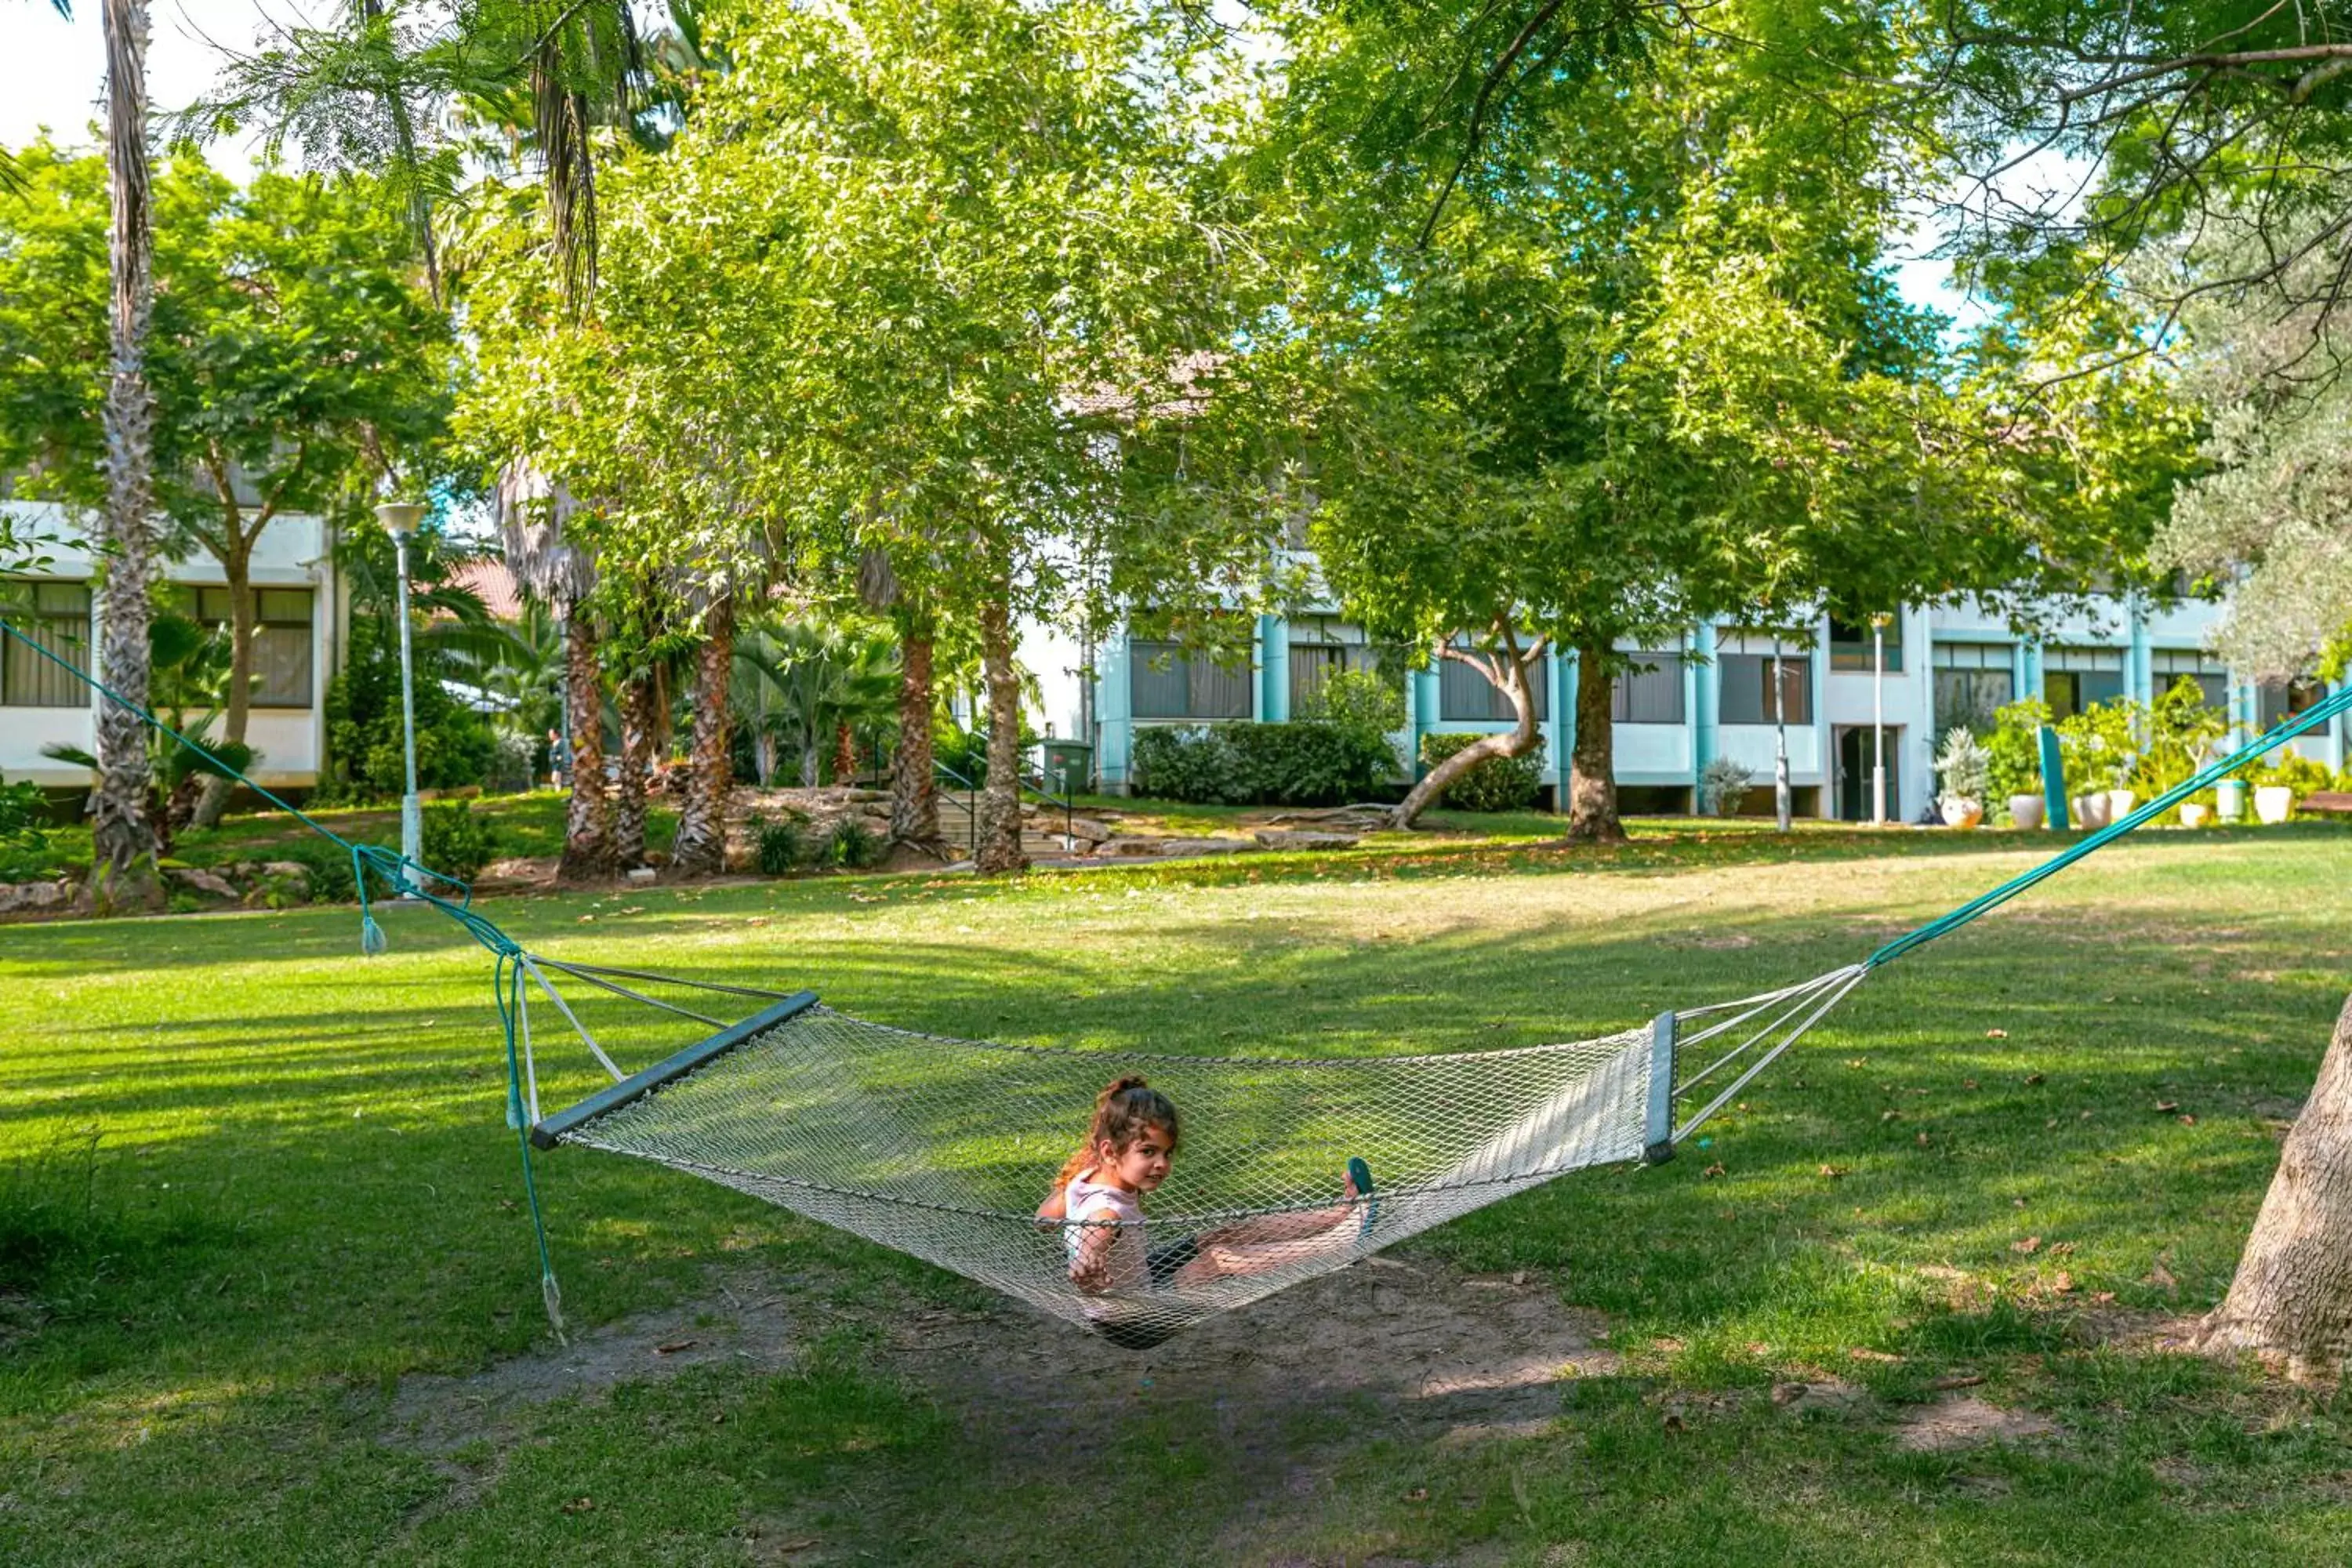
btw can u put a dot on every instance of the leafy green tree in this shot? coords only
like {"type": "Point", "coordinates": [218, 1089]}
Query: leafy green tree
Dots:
{"type": "Point", "coordinates": [288, 352]}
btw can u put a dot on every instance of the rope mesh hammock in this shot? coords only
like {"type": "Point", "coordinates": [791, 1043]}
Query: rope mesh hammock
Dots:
{"type": "Point", "coordinates": [942, 1148]}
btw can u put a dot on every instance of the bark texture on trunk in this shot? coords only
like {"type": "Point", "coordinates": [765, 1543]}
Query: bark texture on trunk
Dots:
{"type": "Point", "coordinates": [1592, 779]}
{"type": "Point", "coordinates": [2292, 1298]}
{"type": "Point", "coordinates": [845, 752]}
{"type": "Point", "coordinates": [914, 781]}
{"type": "Point", "coordinates": [123, 837]}
{"type": "Point", "coordinates": [236, 567]}
{"type": "Point", "coordinates": [588, 822]}
{"type": "Point", "coordinates": [701, 847]}
{"type": "Point", "coordinates": [1516, 742]}
{"type": "Point", "coordinates": [637, 765]}
{"type": "Point", "coordinates": [1000, 803]}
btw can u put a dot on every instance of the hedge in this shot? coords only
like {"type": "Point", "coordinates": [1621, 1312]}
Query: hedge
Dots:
{"type": "Point", "coordinates": [1305, 762]}
{"type": "Point", "coordinates": [1498, 783]}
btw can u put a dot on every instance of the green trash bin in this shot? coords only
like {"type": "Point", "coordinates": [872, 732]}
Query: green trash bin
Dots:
{"type": "Point", "coordinates": [1069, 766]}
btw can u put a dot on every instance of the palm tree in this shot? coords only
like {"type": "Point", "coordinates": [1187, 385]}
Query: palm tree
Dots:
{"type": "Point", "coordinates": [802, 686]}
{"type": "Point", "coordinates": [550, 566]}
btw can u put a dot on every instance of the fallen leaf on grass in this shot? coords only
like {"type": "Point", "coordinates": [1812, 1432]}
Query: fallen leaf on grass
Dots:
{"type": "Point", "coordinates": [1859, 1353]}
{"type": "Point", "coordinates": [1996, 1034]}
{"type": "Point", "coordinates": [1923, 1139]}
{"type": "Point", "coordinates": [1963, 1380]}
{"type": "Point", "coordinates": [2063, 1283]}
{"type": "Point", "coordinates": [2102, 1297]}
{"type": "Point", "coordinates": [2031, 1243]}
{"type": "Point", "coordinates": [2166, 1107]}
{"type": "Point", "coordinates": [2187, 1120]}
{"type": "Point", "coordinates": [580, 1505]}
{"type": "Point", "coordinates": [2161, 1277]}
{"type": "Point", "coordinates": [1418, 1494]}
{"type": "Point", "coordinates": [2033, 1078]}
{"type": "Point", "coordinates": [1967, 1083]}
{"type": "Point", "coordinates": [1712, 1172]}
{"type": "Point", "coordinates": [798, 1543]}
{"type": "Point", "coordinates": [1833, 1172]}
{"type": "Point", "coordinates": [674, 1347]}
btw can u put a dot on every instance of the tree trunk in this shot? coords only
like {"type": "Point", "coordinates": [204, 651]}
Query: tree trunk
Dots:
{"type": "Point", "coordinates": [123, 838]}
{"type": "Point", "coordinates": [1000, 802]}
{"type": "Point", "coordinates": [2293, 1294]}
{"type": "Point", "coordinates": [1592, 779]}
{"type": "Point", "coordinates": [845, 752]}
{"type": "Point", "coordinates": [1783, 803]}
{"type": "Point", "coordinates": [236, 566]}
{"type": "Point", "coordinates": [1516, 742]}
{"type": "Point", "coordinates": [914, 775]}
{"type": "Point", "coordinates": [701, 847]}
{"type": "Point", "coordinates": [637, 764]}
{"type": "Point", "coordinates": [588, 822]}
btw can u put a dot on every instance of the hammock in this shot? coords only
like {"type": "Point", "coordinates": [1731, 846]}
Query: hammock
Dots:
{"type": "Point", "coordinates": [940, 1148]}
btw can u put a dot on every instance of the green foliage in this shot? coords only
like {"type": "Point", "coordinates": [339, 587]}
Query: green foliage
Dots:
{"type": "Point", "coordinates": [853, 846]}
{"type": "Point", "coordinates": [2288, 770]}
{"type": "Point", "coordinates": [783, 847]}
{"type": "Point", "coordinates": [1965, 766]}
{"type": "Point", "coordinates": [1368, 705]}
{"type": "Point", "coordinates": [331, 881]}
{"type": "Point", "coordinates": [1309, 761]}
{"type": "Point", "coordinates": [2014, 750]}
{"type": "Point", "coordinates": [23, 808]}
{"type": "Point", "coordinates": [2098, 746]}
{"type": "Point", "coordinates": [2182, 734]}
{"type": "Point", "coordinates": [456, 842]}
{"type": "Point", "coordinates": [1498, 784]}
{"type": "Point", "coordinates": [453, 744]}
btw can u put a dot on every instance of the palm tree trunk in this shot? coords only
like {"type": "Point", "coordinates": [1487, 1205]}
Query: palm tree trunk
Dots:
{"type": "Point", "coordinates": [588, 824]}
{"type": "Point", "coordinates": [914, 779]}
{"type": "Point", "coordinates": [701, 848]}
{"type": "Point", "coordinates": [999, 801]}
{"type": "Point", "coordinates": [123, 837]}
{"type": "Point", "coordinates": [636, 763]}
{"type": "Point", "coordinates": [1592, 779]}
{"type": "Point", "coordinates": [845, 752]}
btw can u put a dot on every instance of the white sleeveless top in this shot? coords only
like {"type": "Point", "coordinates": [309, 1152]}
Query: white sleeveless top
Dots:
{"type": "Point", "coordinates": [1084, 1199]}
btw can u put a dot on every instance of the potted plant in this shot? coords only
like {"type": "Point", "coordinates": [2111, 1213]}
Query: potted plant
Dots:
{"type": "Point", "coordinates": [2013, 760]}
{"type": "Point", "coordinates": [1967, 773]}
{"type": "Point", "coordinates": [2182, 734]}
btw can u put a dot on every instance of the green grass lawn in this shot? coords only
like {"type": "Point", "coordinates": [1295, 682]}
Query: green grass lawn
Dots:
{"type": "Point", "coordinates": [255, 1192]}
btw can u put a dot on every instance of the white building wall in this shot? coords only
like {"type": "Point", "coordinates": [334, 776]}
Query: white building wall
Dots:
{"type": "Point", "coordinates": [291, 553]}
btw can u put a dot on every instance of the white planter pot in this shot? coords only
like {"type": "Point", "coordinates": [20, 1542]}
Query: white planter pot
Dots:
{"type": "Point", "coordinates": [2273, 802]}
{"type": "Point", "coordinates": [2091, 810]}
{"type": "Point", "coordinates": [2195, 815]}
{"type": "Point", "coordinates": [2230, 800]}
{"type": "Point", "coordinates": [1959, 811]}
{"type": "Point", "coordinates": [2120, 804]}
{"type": "Point", "coordinates": [2026, 810]}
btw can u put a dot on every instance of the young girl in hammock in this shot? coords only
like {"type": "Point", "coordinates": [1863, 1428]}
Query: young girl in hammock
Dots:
{"type": "Point", "coordinates": [1126, 1154]}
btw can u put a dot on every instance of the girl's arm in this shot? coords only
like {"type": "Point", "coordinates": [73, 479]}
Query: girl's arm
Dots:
{"type": "Point", "coordinates": [1090, 1269]}
{"type": "Point", "coordinates": [1055, 1208]}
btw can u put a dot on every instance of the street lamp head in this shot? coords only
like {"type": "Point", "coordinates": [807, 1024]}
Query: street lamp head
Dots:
{"type": "Point", "coordinates": [400, 518]}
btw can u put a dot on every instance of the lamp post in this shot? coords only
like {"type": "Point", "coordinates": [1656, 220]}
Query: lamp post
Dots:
{"type": "Point", "coordinates": [400, 519]}
{"type": "Point", "coordinates": [1878, 720]}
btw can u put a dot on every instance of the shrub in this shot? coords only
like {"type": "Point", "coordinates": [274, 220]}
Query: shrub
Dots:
{"type": "Point", "coordinates": [2013, 751]}
{"type": "Point", "coordinates": [784, 847]}
{"type": "Point", "coordinates": [330, 872]}
{"type": "Point", "coordinates": [1498, 784]}
{"type": "Point", "coordinates": [1312, 762]}
{"type": "Point", "coordinates": [2182, 733]}
{"type": "Point", "coordinates": [23, 808]}
{"type": "Point", "coordinates": [854, 846]}
{"type": "Point", "coordinates": [1722, 785]}
{"type": "Point", "coordinates": [457, 843]}
{"type": "Point", "coordinates": [513, 765]}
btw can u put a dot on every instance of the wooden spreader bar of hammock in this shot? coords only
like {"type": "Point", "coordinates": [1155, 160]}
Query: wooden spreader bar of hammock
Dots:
{"type": "Point", "coordinates": [549, 1130]}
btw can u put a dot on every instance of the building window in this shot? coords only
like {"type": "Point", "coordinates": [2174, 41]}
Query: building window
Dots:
{"type": "Point", "coordinates": [2075, 678]}
{"type": "Point", "coordinates": [1465, 695]}
{"type": "Point", "coordinates": [1321, 650]}
{"type": "Point", "coordinates": [1851, 648]}
{"type": "Point", "coordinates": [1973, 681]}
{"type": "Point", "coordinates": [1650, 692]}
{"type": "Point", "coordinates": [60, 619]}
{"type": "Point", "coordinates": [281, 639]}
{"type": "Point", "coordinates": [2281, 700]}
{"type": "Point", "coordinates": [1165, 682]}
{"type": "Point", "coordinates": [2167, 667]}
{"type": "Point", "coordinates": [1746, 689]}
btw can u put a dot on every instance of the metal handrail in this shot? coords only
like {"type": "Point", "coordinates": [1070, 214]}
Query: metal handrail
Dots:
{"type": "Point", "coordinates": [1022, 781]}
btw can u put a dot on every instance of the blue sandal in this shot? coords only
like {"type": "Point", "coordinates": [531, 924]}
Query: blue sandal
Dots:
{"type": "Point", "coordinates": [1361, 1175]}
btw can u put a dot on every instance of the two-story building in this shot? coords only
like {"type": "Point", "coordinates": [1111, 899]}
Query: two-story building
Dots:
{"type": "Point", "coordinates": [1843, 687]}
{"type": "Point", "coordinates": [303, 612]}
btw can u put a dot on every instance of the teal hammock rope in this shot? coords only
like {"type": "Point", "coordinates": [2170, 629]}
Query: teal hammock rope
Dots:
{"type": "Point", "coordinates": [1803, 1004]}
{"type": "Point", "coordinates": [411, 879]}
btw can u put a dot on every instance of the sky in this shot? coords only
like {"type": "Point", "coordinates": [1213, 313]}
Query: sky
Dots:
{"type": "Point", "coordinates": [52, 75]}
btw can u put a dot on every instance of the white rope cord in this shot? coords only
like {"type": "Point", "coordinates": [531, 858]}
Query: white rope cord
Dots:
{"type": "Point", "coordinates": [1799, 997]}
{"type": "Point", "coordinates": [592, 978]}
{"type": "Point", "coordinates": [1848, 979]}
{"type": "Point", "coordinates": [585, 970]}
{"type": "Point", "coordinates": [530, 1067]}
{"type": "Point", "coordinates": [531, 964]}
